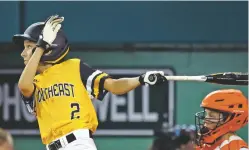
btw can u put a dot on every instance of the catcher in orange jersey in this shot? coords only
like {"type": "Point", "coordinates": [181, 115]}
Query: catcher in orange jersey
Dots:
{"type": "Point", "coordinates": [59, 91]}
{"type": "Point", "coordinates": [225, 111]}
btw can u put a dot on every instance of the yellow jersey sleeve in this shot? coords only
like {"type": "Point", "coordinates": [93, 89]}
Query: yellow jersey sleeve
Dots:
{"type": "Point", "coordinates": [93, 81]}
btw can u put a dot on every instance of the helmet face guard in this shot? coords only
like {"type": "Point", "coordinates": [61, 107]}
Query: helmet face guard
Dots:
{"type": "Point", "coordinates": [202, 131]}
{"type": "Point", "coordinates": [58, 49]}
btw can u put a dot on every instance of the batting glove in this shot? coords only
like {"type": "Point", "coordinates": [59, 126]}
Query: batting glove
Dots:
{"type": "Point", "coordinates": [50, 30]}
{"type": "Point", "coordinates": [152, 78]}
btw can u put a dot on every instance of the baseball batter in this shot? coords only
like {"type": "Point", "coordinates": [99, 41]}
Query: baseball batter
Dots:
{"type": "Point", "coordinates": [59, 91]}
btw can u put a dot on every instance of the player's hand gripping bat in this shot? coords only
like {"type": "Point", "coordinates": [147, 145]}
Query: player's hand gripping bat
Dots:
{"type": "Point", "coordinates": [227, 78]}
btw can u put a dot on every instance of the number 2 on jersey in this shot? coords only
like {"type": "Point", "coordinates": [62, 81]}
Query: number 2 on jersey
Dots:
{"type": "Point", "coordinates": [75, 105]}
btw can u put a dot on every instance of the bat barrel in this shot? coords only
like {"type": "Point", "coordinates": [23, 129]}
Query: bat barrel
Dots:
{"type": "Point", "coordinates": [228, 78]}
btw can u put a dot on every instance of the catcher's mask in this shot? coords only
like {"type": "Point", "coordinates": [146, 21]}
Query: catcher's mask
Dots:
{"type": "Point", "coordinates": [58, 49]}
{"type": "Point", "coordinates": [232, 106]}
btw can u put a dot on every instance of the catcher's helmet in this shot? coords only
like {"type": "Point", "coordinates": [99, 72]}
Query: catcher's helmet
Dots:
{"type": "Point", "coordinates": [230, 102]}
{"type": "Point", "coordinates": [59, 47]}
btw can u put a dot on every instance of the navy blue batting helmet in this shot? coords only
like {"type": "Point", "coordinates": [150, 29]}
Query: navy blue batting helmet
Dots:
{"type": "Point", "coordinates": [59, 48]}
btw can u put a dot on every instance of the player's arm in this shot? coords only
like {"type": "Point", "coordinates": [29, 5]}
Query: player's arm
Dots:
{"type": "Point", "coordinates": [124, 85]}
{"type": "Point", "coordinates": [97, 83]}
{"type": "Point", "coordinates": [25, 83]}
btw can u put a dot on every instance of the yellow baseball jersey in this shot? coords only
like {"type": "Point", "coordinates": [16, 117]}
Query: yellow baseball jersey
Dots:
{"type": "Point", "coordinates": [62, 98]}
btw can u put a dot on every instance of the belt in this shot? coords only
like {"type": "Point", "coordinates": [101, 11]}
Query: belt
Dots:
{"type": "Point", "coordinates": [55, 145]}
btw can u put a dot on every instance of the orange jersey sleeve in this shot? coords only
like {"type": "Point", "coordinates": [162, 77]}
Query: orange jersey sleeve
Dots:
{"type": "Point", "coordinates": [233, 143]}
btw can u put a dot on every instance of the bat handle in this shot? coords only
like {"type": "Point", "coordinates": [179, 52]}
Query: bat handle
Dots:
{"type": "Point", "coordinates": [152, 77]}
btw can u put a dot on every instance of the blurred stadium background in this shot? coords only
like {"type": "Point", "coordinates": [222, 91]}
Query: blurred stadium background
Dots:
{"type": "Point", "coordinates": [125, 39]}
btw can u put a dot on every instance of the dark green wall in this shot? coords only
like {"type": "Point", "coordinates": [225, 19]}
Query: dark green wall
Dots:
{"type": "Point", "coordinates": [130, 21]}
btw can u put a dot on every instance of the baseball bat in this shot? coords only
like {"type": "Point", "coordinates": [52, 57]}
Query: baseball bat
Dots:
{"type": "Point", "coordinates": [226, 78]}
